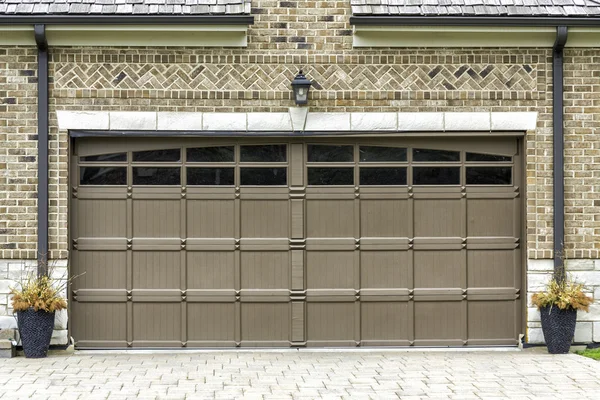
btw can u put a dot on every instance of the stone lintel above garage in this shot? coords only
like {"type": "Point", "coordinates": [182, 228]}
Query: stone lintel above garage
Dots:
{"type": "Point", "coordinates": [299, 120]}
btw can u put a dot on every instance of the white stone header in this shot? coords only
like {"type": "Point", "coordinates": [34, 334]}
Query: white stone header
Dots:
{"type": "Point", "coordinates": [298, 119]}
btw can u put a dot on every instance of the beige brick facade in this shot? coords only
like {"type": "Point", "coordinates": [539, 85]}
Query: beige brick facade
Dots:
{"type": "Point", "coordinates": [18, 152]}
{"type": "Point", "coordinates": [582, 153]}
{"type": "Point", "coordinates": [317, 37]}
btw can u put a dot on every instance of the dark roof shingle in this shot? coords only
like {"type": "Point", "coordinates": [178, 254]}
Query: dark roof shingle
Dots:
{"type": "Point", "coordinates": [477, 8]}
{"type": "Point", "coordinates": [125, 7]}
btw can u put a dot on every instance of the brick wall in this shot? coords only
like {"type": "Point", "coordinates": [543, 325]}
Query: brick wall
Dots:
{"type": "Point", "coordinates": [18, 152]}
{"type": "Point", "coordinates": [582, 153]}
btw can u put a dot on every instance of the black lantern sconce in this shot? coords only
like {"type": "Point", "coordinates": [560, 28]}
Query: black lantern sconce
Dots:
{"type": "Point", "coordinates": [301, 86]}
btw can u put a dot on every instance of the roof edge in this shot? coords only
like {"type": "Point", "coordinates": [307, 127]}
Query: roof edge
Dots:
{"type": "Point", "coordinates": [11, 19]}
{"type": "Point", "coordinates": [474, 21]}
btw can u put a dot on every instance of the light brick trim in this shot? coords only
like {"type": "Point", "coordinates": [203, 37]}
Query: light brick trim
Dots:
{"type": "Point", "coordinates": [286, 122]}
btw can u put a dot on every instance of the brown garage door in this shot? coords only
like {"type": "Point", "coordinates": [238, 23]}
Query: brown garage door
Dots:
{"type": "Point", "coordinates": [292, 242]}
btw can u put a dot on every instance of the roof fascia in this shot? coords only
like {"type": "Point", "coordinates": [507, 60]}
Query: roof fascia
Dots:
{"type": "Point", "coordinates": [127, 19]}
{"type": "Point", "coordinates": [474, 21]}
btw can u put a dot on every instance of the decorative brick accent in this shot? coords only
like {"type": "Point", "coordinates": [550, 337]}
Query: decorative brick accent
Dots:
{"type": "Point", "coordinates": [276, 77]}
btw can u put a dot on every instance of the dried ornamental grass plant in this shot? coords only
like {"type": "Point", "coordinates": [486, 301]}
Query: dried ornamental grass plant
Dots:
{"type": "Point", "coordinates": [39, 292]}
{"type": "Point", "coordinates": [564, 293]}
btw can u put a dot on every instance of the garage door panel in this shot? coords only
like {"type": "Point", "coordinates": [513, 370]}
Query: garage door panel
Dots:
{"type": "Point", "coordinates": [157, 322]}
{"type": "Point", "coordinates": [387, 218]}
{"type": "Point", "coordinates": [266, 322]}
{"type": "Point", "coordinates": [100, 244]}
{"type": "Point", "coordinates": [156, 295]}
{"type": "Point", "coordinates": [490, 268]}
{"type": "Point", "coordinates": [493, 243]}
{"type": "Point", "coordinates": [437, 269]}
{"type": "Point", "coordinates": [438, 294]}
{"type": "Point", "coordinates": [211, 322]}
{"type": "Point", "coordinates": [482, 222]}
{"type": "Point", "coordinates": [384, 269]}
{"type": "Point", "coordinates": [331, 244]}
{"type": "Point", "coordinates": [385, 321]}
{"type": "Point", "coordinates": [330, 322]}
{"type": "Point", "coordinates": [441, 243]}
{"type": "Point", "coordinates": [211, 270]}
{"type": "Point", "coordinates": [385, 243]}
{"type": "Point", "coordinates": [330, 269]}
{"type": "Point", "coordinates": [439, 320]}
{"type": "Point", "coordinates": [265, 218]}
{"type": "Point", "coordinates": [265, 269]}
{"type": "Point", "coordinates": [211, 218]}
{"type": "Point", "coordinates": [98, 269]}
{"type": "Point", "coordinates": [102, 323]}
{"type": "Point", "coordinates": [491, 320]}
{"type": "Point", "coordinates": [437, 217]}
{"type": "Point", "coordinates": [156, 244]}
{"type": "Point", "coordinates": [102, 218]}
{"type": "Point", "coordinates": [330, 218]}
{"type": "Point", "coordinates": [157, 218]}
{"type": "Point", "coordinates": [270, 244]}
{"type": "Point", "coordinates": [210, 244]}
{"type": "Point", "coordinates": [156, 270]}
{"type": "Point", "coordinates": [156, 192]}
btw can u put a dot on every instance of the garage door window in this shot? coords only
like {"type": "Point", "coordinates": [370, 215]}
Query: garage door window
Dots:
{"type": "Point", "coordinates": [330, 176]}
{"type": "Point", "coordinates": [213, 154]}
{"type": "Point", "coordinates": [94, 170]}
{"type": "Point", "coordinates": [266, 153]}
{"type": "Point", "coordinates": [427, 155]}
{"type": "Point", "coordinates": [382, 154]}
{"type": "Point", "coordinates": [489, 175]}
{"type": "Point", "coordinates": [156, 176]}
{"type": "Point", "coordinates": [330, 153]}
{"type": "Point", "coordinates": [488, 169]}
{"type": "Point", "coordinates": [330, 165]}
{"type": "Point", "coordinates": [114, 157]}
{"type": "Point", "coordinates": [210, 176]}
{"type": "Point", "coordinates": [103, 176]}
{"type": "Point", "coordinates": [167, 155]}
{"type": "Point", "coordinates": [263, 165]}
{"type": "Point", "coordinates": [487, 157]}
{"type": "Point", "coordinates": [382, 176]}
{"type": "Point", "coordinates": [436, 175]}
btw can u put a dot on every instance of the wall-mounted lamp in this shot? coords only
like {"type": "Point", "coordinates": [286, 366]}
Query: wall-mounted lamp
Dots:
{"type": "Point", "coordinates": [301, 86]}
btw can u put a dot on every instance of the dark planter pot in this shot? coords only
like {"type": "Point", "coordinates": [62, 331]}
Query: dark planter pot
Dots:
{"type": "Point", "coordinates": [559, 328]}
{"type": "Point", "coordinates": [35, 329]}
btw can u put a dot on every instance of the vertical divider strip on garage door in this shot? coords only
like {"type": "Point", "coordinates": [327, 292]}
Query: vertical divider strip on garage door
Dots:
{"type": "Point", "coordinates": [297, 244]}
{"type": "Point", "coordinates": [129, 254]}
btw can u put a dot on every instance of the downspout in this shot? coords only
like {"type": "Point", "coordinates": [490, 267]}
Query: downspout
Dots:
{"type": "Point", "coordinates": [42, 195]}
{"type": "Point", "coordinates": [558, 150]}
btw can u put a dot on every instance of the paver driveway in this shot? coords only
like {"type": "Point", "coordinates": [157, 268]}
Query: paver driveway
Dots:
{"type": "Point", "coordinates": [302, 375]}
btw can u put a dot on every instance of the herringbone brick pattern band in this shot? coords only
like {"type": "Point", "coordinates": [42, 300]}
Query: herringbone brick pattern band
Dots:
{"type": "Point", "coordinates": [276, 77]}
